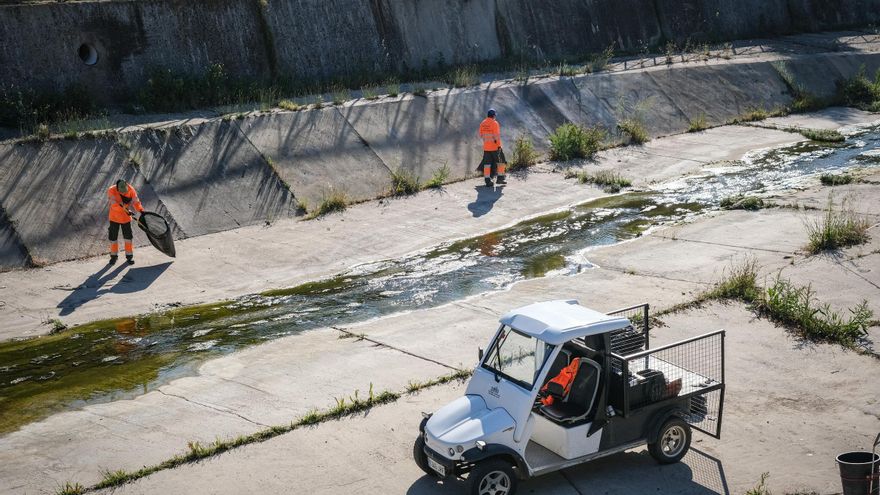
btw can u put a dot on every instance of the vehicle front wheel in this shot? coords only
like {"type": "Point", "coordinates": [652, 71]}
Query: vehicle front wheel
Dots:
{"type": "Point", "coordinates": [421, 458]}
{"type": "Point", "coordinates": [672, 443]}
{"type": "Point", "coordinates": [492, 477]}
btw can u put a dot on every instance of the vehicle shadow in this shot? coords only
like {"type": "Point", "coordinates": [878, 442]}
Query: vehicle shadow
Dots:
{"type": "Point", "coordinates": [486, 198]}
{"type": "Point", "coordinates": [93, 287]}
{"type": "Point", "coordinates": [632, 472]}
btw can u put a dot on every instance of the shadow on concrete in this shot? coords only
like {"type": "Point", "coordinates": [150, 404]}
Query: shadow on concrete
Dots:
{"type": "Point", "coordinates": [632, 472]}
{"type": "Point", "coordinates": [486, 198]}
{"type": "Point", "coordinates": [135, 280]}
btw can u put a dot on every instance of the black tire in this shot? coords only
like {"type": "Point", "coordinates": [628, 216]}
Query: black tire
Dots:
{"type": "Point", "coordinates": [492, 477]}
{"type": "Point", "coordinates": [673, 441]}
{"type": "Point", "coordinates": [421, 458]}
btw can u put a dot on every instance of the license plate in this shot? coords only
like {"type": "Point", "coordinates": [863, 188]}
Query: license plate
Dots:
{"type": "Point", "coordinates": [436, 466]}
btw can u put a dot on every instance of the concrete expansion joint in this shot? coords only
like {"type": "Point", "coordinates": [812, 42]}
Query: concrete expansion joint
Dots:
{"type": "Point", "coordinates": [213, 408]}
{"type": "Point", "coordinates": [732, 246]}
{"type": "Point", "coordinates": [570, 482]}
{"type": "Point", "coordinates": [393, 348]}
{"type": "Point", "coordinates": [651, 275]}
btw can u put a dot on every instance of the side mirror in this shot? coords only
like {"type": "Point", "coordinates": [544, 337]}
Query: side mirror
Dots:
{"type": "Point", "coordinates": [480, 354]}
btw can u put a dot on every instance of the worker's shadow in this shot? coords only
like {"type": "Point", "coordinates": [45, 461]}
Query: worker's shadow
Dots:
{"type": "Point", "coordinates": [136, 279]}
{"type": "Point", "coordinates": [486, 198]}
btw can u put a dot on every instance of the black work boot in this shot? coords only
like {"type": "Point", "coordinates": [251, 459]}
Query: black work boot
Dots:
{"type": "Point", "coordinates": [501, 180]}
{"type": "Point", "coordinates": [113, 259]}
{"type": "Point", "coordinates": [129, 258]}
{"type": "Point", "coordinates": [488, 181]}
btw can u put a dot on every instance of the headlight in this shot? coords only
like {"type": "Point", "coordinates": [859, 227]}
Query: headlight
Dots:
{"type": "Point", "coordinates": [451, 452]}
{"type": "Point", "coordinates": [459, 449]}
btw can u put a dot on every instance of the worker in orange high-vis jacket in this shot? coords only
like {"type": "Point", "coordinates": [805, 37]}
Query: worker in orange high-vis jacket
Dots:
{"type": "Point", "coordinates": [493, 163]}
{"type": "Point", "coordinates": [123, 198]}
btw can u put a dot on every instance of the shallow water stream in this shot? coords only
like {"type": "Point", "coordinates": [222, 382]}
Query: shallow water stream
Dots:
{"type": "Point", "coordinates": [125, 357]}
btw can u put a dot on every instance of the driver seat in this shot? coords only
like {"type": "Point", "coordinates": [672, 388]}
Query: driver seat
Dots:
{"type": "Point", "coordinates": [579, 403]}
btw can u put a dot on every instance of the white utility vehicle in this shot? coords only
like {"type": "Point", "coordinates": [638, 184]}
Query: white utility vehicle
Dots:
{"type": "Point", "coordinates": [521, 417]}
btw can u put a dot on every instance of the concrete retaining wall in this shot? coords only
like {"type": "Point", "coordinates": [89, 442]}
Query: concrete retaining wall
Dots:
{"type": "Point", "coordinates": [324, 40]}
{"type": "Point", "coordinates": [224, 174]}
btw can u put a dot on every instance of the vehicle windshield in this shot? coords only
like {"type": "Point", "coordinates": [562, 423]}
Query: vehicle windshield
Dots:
{"type": "Point", "coordinates": [517, 356]}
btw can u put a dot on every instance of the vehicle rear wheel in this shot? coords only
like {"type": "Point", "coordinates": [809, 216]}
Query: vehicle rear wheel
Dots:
{"type": "Point", "coordinates": [672, 443]}
{"type": "Point", "coordinates": [421, 458]}
{"type": "Point", "coordinates": [492, 477]}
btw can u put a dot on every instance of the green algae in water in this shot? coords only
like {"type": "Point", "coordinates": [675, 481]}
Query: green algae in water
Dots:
{"type": "Point", "coordinates": [540, 265]}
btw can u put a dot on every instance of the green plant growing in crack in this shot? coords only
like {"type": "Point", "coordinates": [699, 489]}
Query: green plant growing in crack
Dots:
{"type": "Point", "coordinates": [440, 176]}
{"type": "Point", "coordinates": [837, 228]}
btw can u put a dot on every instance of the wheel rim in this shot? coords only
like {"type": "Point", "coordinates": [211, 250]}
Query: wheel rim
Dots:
{"type": "Point", "coordinates": [673, 441]}
{"type": "Point", "coordinates": [495, 483]}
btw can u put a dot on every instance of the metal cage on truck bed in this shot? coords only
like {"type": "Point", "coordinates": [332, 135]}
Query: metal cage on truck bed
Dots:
{"type": "Point", "coordinates": [691, 369]}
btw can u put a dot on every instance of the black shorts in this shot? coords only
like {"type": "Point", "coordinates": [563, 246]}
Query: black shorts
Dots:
{"type": "Point", "coordinates": [114, 231]}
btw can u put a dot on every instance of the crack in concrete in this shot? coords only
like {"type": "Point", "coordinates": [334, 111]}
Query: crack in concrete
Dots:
{"type": "Point", "coordinates": [573, 486]}
{"type": "Point", "coordinates": [213, 408]}
{"type": "Point", "coordinates": [651, 275]}
{"type": "Point", "coordinates": [389, 346]}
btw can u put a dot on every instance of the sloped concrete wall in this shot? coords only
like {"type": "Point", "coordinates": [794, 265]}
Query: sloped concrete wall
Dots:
{"type": "Point", "coordinates": [224, 174]}
{"type": "Point", "coordinates": [329, 40]}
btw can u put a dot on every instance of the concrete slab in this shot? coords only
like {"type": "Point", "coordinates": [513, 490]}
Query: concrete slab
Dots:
{"type": "Point", "coordinates": [410, 132]}
{"type": "Point", "coordinates": [210, 177]}
{"type": "Point", "coordinates": [829, 118]}
{"type": "Point", "coordinates": [55, 194]}
{"type": "Point", "coordinates": [233, 395]}
{"type": "Point", "coordinates": [316, 152]}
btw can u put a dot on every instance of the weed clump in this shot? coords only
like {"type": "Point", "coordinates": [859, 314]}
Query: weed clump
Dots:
{"type": "Point", "coordinates": [635, 129]}
{"type": "Point", "coordinates": [69, 488]}
{"type": "Point", "coordinates": [572, 141]}
{"type": "Point", "coordinates": [439, 178]}
{"type": "Point", "coordinates": [698, 124]}
{"type": "Point", "coordinates": [835, 179]}
{"type": "Point", "coordinates": [609, 180]}
{"type": "Point", "coordinates": [462, 77]}
{"type": "Point", "coordinates": [837, 228]}
{"type": "Point", "coordinates": [797, 306]}
{"type": "Point", "coordinates": [742, 202]}
{"type": "Point", "coordinates": [861, 92]}
{"type": "Point", "coordinates": [289, 105]}
{"type": "Point", "coordinates": [404, 182]}
{"type": "Point", "coordinates": [738, 282]}
{"type": "Point", "coordinates": [333, 202]}
{"type": "Point", "coordinates": [753, 115]}
{"type": "Point", "coordinates": [823, 135]}
{"type": "Point", "coordinates": [524, 154]}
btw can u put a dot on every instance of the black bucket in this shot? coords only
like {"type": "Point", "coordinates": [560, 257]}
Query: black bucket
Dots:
{"type": "Point", "coordinates": [856, 472]}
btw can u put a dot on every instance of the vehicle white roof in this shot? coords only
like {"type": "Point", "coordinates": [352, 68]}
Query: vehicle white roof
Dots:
{"type": "Point", "coordinates": [557, 322]}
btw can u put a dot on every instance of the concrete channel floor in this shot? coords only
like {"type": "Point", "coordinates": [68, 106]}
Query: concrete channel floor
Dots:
{"type": "Point", "coordinates": [265, 385]}
{"type": "Point", "coordinates": [252, 259]}
{"type": "Point", "coordinates": [775, 421]}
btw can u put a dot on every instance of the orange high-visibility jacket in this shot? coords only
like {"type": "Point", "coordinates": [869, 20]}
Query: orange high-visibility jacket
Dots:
{"type": "Point", "coordinates": [564, 379]}
{"type": "Point", "coordinates": [118, 204]}
{"type": "Point", "coordinates": [490, 131]}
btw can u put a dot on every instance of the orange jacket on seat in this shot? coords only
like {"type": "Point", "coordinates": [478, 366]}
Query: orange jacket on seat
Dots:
{"type": "Point", "coordinates": [120, 202]}
{"type": "Point", "coordinates": [490, 131]}
{"type": "Point", "coordinates": [564, 379]}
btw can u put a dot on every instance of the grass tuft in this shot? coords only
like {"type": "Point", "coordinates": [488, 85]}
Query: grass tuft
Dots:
{"type": "Point", "coordinates": [404, 182]}
{"type": "Point", "coordinates": [823, 135]}
{"type": "Point", "coordinates": [609, 180]}
{"type": "Point", "coordinates": [635, 129]}
{"type": "Point", "coordinates": [753, 115]}
{"type": "Point", "coordinates": [571, 141]}
{"type": "Point", "coordinates": [761, 487]}
{"type": "Point", "coordinates": [392, 86]}
{"type": "Point", "coordinates": [698, 124]}
{"type": "Point", "coordinates": [289, 105]}
{"type": "Point", "coordinates": [739, 281]}
{"type": "Point", "coordinates": [333, 202]}
{"type": "Point", "coordinates": [370, 93]}
{"type": "Point", "coordinates": [439, 178]}
{"type": "Point", "coordinates": [69, 488]}
{"type": "Point", "coordinates": [742, 202]}
{"type": "Point", "coordinates": [861, 92]}
{"type": "Point", "coordinates": [837, 228]}
{"type": "Point", "coordinates": [835, 179]}
{"type": "Point", "coordinates": [462, 77]}
{"type": "Point", "coordinates": [566, 70]}
{"type": "Point", "coordinates": [524, 154]}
